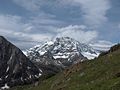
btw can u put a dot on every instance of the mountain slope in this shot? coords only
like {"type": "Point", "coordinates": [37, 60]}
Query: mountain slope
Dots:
{"type": "Point", "coordinates": [102, 73]}
{"type": "Point", "coordinates": [62, 52]}
{"type": "Point", "coordinates": [15, 67]}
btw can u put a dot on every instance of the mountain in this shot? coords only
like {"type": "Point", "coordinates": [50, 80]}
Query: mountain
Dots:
{"type": "Point", "coordinates": [102, 73]}
{"type": "Point", "coordinates": [63, 52]}
{"type": "Point", "coordinates": [15, 67]}
{"type": "Point", "coordinates": [54, 56]}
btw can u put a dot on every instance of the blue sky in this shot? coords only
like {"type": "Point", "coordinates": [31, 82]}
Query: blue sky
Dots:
{"type": "Point", "coordinates": [29, 22]}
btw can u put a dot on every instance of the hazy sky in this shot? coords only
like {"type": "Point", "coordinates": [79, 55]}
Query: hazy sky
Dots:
{"type": "Point", "coordinates": [29, 22]}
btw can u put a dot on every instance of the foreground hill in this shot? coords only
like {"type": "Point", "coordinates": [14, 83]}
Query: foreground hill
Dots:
{"type": "Point", "coordinates": [102, 73]}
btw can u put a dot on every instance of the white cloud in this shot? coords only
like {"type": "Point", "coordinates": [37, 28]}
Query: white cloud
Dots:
{"type": "Point", "coordinates": [94, 11]}
{"type": "Point", "coordinates": [22, 34]}
{"type": "Point", "coordinates": [10, 22]}
{"type": "Point", "coordinates": [18, 32]}
{"type": "Point", "coordinates": [102, 45]}
{"type": "Point", "coordinates": [42, 26]}
{"type": "Point", "coordinates": [78, 32]}
{"type": "Point", "coordinates": [41, 37]}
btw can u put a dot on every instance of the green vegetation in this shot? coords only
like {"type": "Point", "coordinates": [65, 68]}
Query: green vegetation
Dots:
{"type": "Point", "coordinates": [102, 73]}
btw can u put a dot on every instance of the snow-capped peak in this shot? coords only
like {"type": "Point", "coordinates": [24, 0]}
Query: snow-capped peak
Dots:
{"type": "Point", "coordinates": [62, 48]}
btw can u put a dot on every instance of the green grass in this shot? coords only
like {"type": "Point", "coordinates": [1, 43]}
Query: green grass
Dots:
{"type": "Point", "coordinates": [99, 74]}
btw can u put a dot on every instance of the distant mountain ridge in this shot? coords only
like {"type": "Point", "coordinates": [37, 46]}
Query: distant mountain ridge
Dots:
{"type": "Point", "coordinates": [63, 51]}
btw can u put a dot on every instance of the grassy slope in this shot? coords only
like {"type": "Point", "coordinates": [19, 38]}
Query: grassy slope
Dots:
{"type": "Point", "coordinates": [100, 74]}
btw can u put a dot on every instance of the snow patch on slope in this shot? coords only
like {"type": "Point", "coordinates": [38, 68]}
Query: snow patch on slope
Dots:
{"type": "Point", "coordinates": [89, 55]}
{"type": "Point", "coordinates": [5, 87]}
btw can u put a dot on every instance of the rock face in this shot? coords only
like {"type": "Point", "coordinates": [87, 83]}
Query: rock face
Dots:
{"type": "Point", "coordinates": [62, 52]}
{"type": "Point", "coordinates": [15, 67]}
